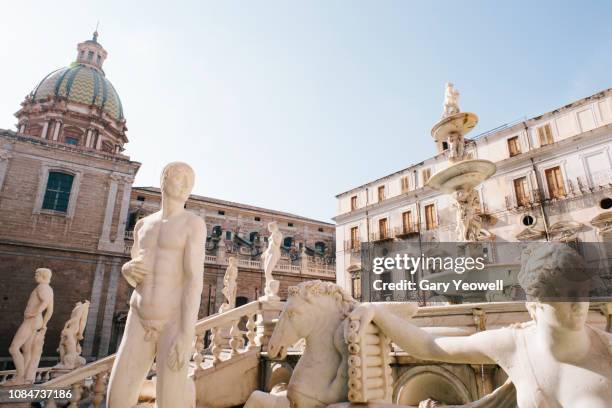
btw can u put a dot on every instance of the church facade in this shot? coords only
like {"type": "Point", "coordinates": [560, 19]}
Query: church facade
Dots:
{"type": "Point", "coordinates": [67, 202]}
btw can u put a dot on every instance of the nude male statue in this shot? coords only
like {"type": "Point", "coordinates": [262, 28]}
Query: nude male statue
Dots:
{"type": "Point", "coordinates": [270, 258]}
{"type": "Point", "coordinates": [229, 285]}
{"type": "Point", "coordinates": [556, 360]}
{"type": "Point", "coordinates": [166, 271]}
{"type": "Point", "coordinates": [31, 333]}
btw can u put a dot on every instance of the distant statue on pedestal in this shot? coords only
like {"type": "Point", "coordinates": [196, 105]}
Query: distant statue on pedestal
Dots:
{"type": "Point", "coordinates": [229, 286]}
{"type": "Point", "coordinates": [555, 360]}
{"type": "Point", "coordinates": [166, 271]}
{"type": "Point", "coordinates": [304, 259]}
{"type": "Point", "coordinates": [26, 347]}
{"type": "Point", "coordinates": [69, 348]}
{"type": "Point", "coordinates": [451, 100]}
{"type": "Point", "coordinates": [270, 258]}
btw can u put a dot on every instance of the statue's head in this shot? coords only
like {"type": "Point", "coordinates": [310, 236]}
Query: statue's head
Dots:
{"type": "Point", "coordinates": [273, 227]}
{"type": "Point", "coordinates": [557, 284]}
{"type": "Point", "coordinates": [42, 275]}
{"type": "Point", "coordinates": [308, 305]}
{"type": "Point", "coordinates": [177, 180]}
{"type": "Point", "coordinates": [232, 261]}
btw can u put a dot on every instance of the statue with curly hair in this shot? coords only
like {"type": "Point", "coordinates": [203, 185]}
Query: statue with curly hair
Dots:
{"type": "Point", "coordinates": [554, 360]}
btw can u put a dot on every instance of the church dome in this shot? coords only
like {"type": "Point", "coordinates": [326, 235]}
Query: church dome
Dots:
{"type": "Point", "coordinates": [82, 84]}
{"type": "Point", "coordinates": [83, 81]}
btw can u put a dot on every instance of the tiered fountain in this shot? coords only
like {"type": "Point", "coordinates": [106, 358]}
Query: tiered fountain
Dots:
{"type": "Point", "coordinates": [464, 174]}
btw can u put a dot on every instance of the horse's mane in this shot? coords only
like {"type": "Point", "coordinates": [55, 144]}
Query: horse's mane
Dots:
{"type": "Point", "coordinates": [320, 288]}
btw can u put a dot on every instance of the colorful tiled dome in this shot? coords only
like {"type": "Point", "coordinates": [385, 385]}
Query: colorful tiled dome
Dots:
{"type": "Point", "coordinates": [83, 84]}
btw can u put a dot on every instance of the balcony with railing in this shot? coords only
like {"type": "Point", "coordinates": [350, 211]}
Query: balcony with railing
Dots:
{"type": "Point", "coordinates": [406, 230]}
{"type": "Point", "coordinates": [530, 199]}
{"type": "Point", "coordinates": [382, 235]}
{"type": "Point", "coordinates": [352, 245]}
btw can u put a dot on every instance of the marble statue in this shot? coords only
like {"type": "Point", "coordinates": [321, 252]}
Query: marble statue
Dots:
{"type": "Point", "coordinates": [451, 100]}
{"type": "Point", "coordinates": [26, 347]}
{"type": "Point", "coordinates": [166, 272]}
{"type": "Point", "coordinates": [320, 376]}
{"type": "Point", "coordinates": [270, 258]}
{"type": "Point", "coordinates": [469, 224]}
{"type": "Point", "coordinates": [456, 146]}
{"type": "Point", "coordinates": [229, 286]}
{"type": "Point", "coordinates": [304, 260]}
{"type": "Point", "coordinates": [555, 360]}
{"type": "Point", "coordinates": [72, 333]}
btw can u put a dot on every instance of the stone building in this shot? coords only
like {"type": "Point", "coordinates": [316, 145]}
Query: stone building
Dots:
{"type": "Point", "coordinates": [64, 192]}
{"type": "Point", "coordinates": [67, 203]}
{"type": "Point", "coordinates": [240, 231]}
{"type": "Point", "coordinates": [553, 182]}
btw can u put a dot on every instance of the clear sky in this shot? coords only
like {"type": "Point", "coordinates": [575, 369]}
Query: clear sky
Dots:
{"type": "Point", "coordinates": [284, 104]}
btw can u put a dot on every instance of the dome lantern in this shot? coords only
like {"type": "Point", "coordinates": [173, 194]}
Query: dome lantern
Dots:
{"type": "Point", "coordinates": [91, 53]}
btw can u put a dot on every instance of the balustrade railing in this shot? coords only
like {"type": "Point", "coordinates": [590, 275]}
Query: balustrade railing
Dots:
{"type": "Point", "coordinates": [311, 269]}
{"type": "Point", "coordinates": [228, 339]}
{"type": "Point", "coordinates": [42, 374]}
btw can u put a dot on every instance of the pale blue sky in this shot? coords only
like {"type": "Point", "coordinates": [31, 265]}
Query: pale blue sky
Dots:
{"type": "Point", "coordinates": [284, 104]}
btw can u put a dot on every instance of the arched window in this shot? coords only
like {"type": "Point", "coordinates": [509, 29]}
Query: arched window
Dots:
{"type": "Point", "coordinates": [320, 247]}
{"type": "Point", "coordinates": [253, 236]}
{"type": "Point", "coordinates": [287, 242]}
{"type": "Point", "coordinates": [57, 192]}
{"type": "Point", "coordinates": [241, 300]}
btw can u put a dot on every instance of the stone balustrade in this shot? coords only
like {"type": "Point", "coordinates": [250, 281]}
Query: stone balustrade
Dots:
{"type": "Point", "coordinates": [313, 269]}
{"type": "Point", "coordinates": [42, 374]}
{"type": "Point", "coordinates": [88, 384]}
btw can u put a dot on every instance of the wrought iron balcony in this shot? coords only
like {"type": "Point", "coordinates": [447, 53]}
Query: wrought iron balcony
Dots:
{"type": "Point", "coordinates": [406, 230]}
{"type": "Point", "coordinates": [383, 235]}
{"type": "Point", "coordinates": [352, 245]}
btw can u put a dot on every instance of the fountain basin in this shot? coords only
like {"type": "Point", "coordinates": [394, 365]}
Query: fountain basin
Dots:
{"type": "Point", "coordinates": [461, 123]}
{"type": "Point", "coordinates": [462, 175]}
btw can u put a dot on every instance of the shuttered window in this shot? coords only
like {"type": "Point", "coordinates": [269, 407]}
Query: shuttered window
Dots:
{"type": "Point", "coordinates": [520, 189]}
{"type": "Point", "coordinates": [514, 147]}
{"type": "Point", "coordinates": [383, 228]}
{"type": "Point", "coordinates": [545, 135]}
{"type": "Point", "coordinates": [354, 237]}
{"type": "Point", "coordinates": [554, 180]}
{"type": "Point", "coordinates": [407, 221]}
{"type": "Point", "coordinates": [57, 193]}
{"type": "Point", "coordinates": [405, 184]}
{"type": "Point", "coordinates": [430, 217]}
{"type": "Point", "coordinates": [381, 193]}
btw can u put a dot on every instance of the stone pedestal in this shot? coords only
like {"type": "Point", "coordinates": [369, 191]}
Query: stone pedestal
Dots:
{"type": "Point", "coordinates": [266, 321]}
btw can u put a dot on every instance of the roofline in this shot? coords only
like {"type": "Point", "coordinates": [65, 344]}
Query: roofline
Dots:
{"type": "Point", "coordinates": [487, 133]}
{"type": "Point", "coordinates": [217, 201]}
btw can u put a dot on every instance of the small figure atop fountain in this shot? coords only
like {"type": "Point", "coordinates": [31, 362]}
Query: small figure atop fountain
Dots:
{"type": "Point", "coordinates": [451, 100]}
